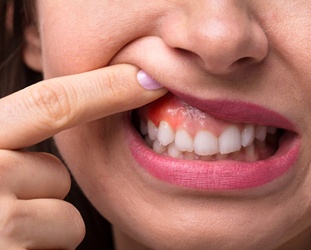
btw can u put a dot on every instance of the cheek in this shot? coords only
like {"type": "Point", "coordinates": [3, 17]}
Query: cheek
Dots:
{"type": "Point", "coordinates": [72, 44]}
{"type": "Point", "coordinates": [70, 54]}
{"type": "Point", "coordinates": [89, 150]}
{"type": "Point", "coordinates": [77, 37]}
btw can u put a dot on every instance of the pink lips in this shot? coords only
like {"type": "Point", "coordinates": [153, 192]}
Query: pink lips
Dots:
{"type": "Point", "coordinates": [226, 174]}
{"type": "Point", "coordinates": [239, 112]}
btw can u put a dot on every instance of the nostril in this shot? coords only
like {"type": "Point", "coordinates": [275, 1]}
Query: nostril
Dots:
{"type": "Point", "coordinates": [242, 62]}
{"type": "Point", "coordinates": [186, 53]}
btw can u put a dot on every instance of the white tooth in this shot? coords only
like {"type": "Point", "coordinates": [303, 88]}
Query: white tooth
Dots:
{"type": "Point", "coordinates": [183, 141]}
{"type": "Point", "coordinates": [173, 151]}
{"type": "Point", "coordinates": [158, 147]}
{"type": "Point", "coordinates": [152, 130]}
{"type": "Point", "coordinates": [205, 143]}
{"type": "Point", "coordinates": [272, 130]}
{"type": "Point", "coordinates": [143, 128]}
{"type": "Point", "coordinates": [261, 133]}
{"type": "Point", "coordinates": [165, 133]}
{"type": "Point", "coordinates": [230, 140]}
{"type": "Point", "coordinates": [248, 135]}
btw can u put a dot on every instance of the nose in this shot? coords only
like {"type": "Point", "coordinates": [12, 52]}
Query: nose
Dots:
{"type": "Point", "coordinates": [221, 34]}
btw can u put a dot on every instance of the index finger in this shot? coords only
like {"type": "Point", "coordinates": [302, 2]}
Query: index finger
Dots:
{"type": "Point", "coordinates": [48, 107]}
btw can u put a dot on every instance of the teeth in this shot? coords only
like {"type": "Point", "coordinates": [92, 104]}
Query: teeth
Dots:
{"type": "Point", "coordinates": [205, 143]}
{"type": "Point", "coordinates": [158, 147]}
{"type": "Point", "coordinates": [190, 156]}
{"type": "Point", "coordinates": [183, 141]}
{"type": "Point", "coordinates": [230, 140]}
{"type": "Point", "coordinates": [165, 133]}
{"type": "Point", "coordinates": [261, 133]}
{"type": "Point", "coordinates": [173, 151]}
{"type": "Point", "coordinates": [152, 130]}
{"type": "Point", "coordinates": [143, 128]}
{"type": "Point", "coordinates": [251, 153]}
{"type": "Point", "coordinates": [248, 135]}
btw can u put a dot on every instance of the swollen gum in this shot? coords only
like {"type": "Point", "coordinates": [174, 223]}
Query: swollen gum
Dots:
{"type": "Point", "coordinates": [180, 115]}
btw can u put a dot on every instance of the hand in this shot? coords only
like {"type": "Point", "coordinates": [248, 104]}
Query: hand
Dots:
{"type": "Point", "coordinates": [32, 185]}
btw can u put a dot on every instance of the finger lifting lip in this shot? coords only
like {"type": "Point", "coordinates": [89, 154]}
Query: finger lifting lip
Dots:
{"type": "Point", "coordinates": [225, 174]}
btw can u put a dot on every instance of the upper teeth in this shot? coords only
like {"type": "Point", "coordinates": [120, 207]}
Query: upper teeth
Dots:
{"type": "Point", "coordinates": [165, 133]}
{"type": "Point", "coordinates": [230, 140]}
{"type": "Point", "coordinates": [204, 142]}
{"type": "Point", "coordinates": [201, 147]}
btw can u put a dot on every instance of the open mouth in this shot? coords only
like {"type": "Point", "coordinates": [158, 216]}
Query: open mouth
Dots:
{"type": "Point", "coordinates": [173, 128]}
{"type": "Point", "coordinates": [212, 144]}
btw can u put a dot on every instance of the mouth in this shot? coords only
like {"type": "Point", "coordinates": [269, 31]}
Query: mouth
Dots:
{"type": "Point", "coordinates": [173, 128]}
{"type": "Point", "coordinates": [212, 144]}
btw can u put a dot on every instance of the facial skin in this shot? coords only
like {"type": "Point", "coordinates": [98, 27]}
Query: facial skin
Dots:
{"type": "Point", "coordinates": [237, 50]}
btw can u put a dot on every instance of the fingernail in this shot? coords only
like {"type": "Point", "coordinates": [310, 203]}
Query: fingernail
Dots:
{"type": "Point", "coordinates": [147, 82]}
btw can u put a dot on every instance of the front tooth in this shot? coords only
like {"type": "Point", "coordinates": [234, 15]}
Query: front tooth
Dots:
{"type": "Point", "coordinates": [248, 135]}
{"type": "Point", "coordinates": [173, 151]}
{"type": "Point", "coordinates": [183, 141]}
{"type": "Point", "coordinates": [261, 133]}
{"type": "Point", "coordinates": [205, 143]}
{"type": "Point", "coordinates": [152, 130]}
{"type": "Point", "coordinates": [165, 133]}
{"type": "Point", "coordinates": [230, 140]}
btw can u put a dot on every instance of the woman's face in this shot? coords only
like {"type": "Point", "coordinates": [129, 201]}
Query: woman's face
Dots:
{"type": "Point", "coordinates": [243, 64]}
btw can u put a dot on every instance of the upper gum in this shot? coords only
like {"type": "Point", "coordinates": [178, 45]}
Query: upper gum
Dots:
{"type": "Point", "coordinates": [193, 132]}
{"type": "Point", "coordinates": [181, 116]}
{"type": "Point", "coordinates": [184, 117]}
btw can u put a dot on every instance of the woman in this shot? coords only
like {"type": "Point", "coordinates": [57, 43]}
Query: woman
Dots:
{"type": "Point", "coordinates": [212, 165]}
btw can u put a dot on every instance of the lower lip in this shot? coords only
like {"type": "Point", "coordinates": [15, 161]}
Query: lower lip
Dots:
{"type": "Point", "coordinates": [218, 175]}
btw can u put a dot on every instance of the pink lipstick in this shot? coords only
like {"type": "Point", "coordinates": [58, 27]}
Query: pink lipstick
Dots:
{"type": "Point", "coordinates": [228, 174]}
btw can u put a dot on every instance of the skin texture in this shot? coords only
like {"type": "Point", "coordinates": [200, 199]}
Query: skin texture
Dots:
{"type": "Point", "coordinates": [226, 49]}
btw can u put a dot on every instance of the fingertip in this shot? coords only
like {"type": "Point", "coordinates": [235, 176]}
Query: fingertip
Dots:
{"type": "Point", "coordinates": [147, 82]}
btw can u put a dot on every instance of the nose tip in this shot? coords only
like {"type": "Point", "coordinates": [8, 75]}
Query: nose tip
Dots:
{"type": "Point", "coordinates": [224, 47]}
{"type": "Point", "coordinates": [222, 40]}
